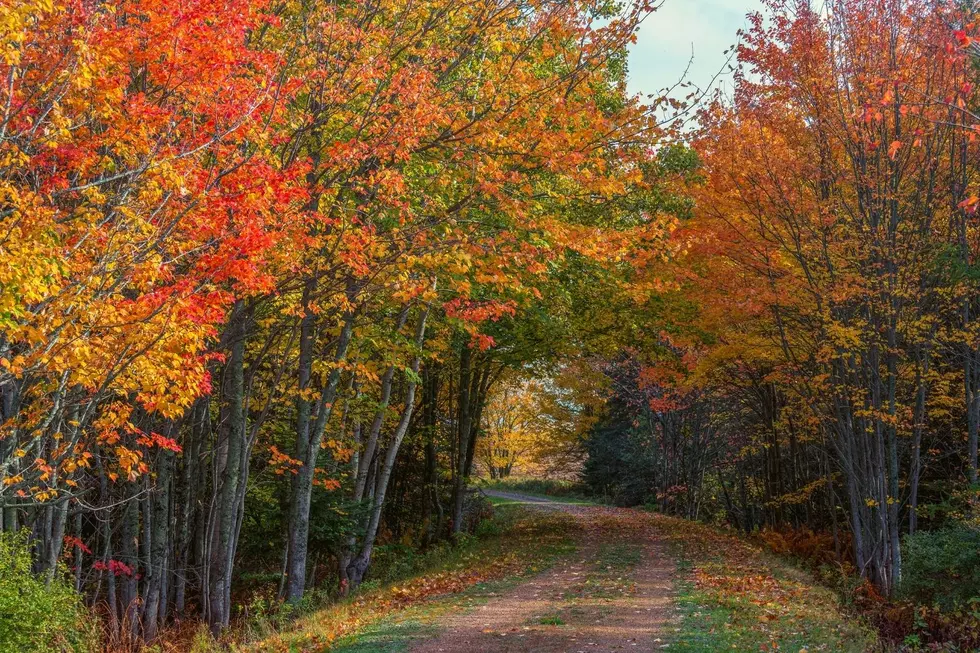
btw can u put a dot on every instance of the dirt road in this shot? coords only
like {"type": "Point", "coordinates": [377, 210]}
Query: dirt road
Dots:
{"type": "Point", "coordinates": [613, 594]}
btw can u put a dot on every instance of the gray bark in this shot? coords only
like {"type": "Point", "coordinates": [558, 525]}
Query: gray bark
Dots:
{"type": "Point", "coordinates": [463, 438]}
{"type": "Point", "coordinates": [307, 447]}
{"type": "Point", "coordinates": [231, 445]}
{"type": "Point", "coordinates": [156, 570]}
{"type": "Point", "coordinates": [358, 567]}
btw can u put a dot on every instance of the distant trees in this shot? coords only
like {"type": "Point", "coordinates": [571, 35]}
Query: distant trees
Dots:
{"type": "Point", "coordinates": [533, 426]}
{"type": "Point", "coordinates": [653, 445]}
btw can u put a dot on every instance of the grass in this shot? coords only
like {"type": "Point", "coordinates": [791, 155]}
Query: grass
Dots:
{"type": "Point", "coordinates": [388, 617]}
{"type": "Point", "coordinates": [732, 596]}
{"type": "Point", "coordinates": [551, 620]}
{"type": "Point", "coordinates": [609, 574]}
{"type": "Point", "coordinates": [618, 556]}
{"type": "Point", "coordinates": [566, 491]}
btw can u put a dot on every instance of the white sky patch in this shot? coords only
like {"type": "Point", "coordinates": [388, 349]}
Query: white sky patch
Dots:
{"type": "Point", "coordinates": [679, 28]}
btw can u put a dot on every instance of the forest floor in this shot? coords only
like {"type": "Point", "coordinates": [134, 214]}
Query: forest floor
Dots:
{"type": "Point", "coordinates": [550, 576]}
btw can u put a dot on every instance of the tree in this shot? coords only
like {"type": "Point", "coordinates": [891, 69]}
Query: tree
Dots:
{"type": "Point", "coordinates": [818, 258]}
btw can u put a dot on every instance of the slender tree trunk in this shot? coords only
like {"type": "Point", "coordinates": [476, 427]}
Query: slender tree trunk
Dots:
{"type": "Point", "coordinates": [307, 448]}
{"type": "Point", "coordinates": [78, 553]}
{"type": "Point", "coordinates": [156, 571]}
{"type": "Point", "coordinates": [432, 518]}
{"type": "Point", "coordinates": [463, 437]}
{"type": "Point", "coordinates": [129, 535]}
{"type": "Point", "coordinates": [971, 374]}
{"type": "Point", "coordinates": [358, 567]}
{"type": "Point", "coordinates": [371, 445]}
{"type": "Point", "coordinates": [918, 426]}
{"type": "Point", "coordinates": [894, 470]}
{"type": "Point", "coordinates": [478, 396]}
{"type": "Point", "coordinates": [9, 407]}
{"type": "Point", "coordinates": [187, 508]}
{"type": "Point", "coordinates": [231, 444]}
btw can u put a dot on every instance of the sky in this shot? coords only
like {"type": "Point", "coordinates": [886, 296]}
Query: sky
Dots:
{"type": "Point", "coordinates": [669, 36]}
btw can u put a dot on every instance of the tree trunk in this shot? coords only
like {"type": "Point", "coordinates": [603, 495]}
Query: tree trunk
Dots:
{"type": "Point", "coordinates": [432, 516]}
{"type": "Point", "coordinates": [231, 445]}
{"type": "Point", "coordinates": [153, 616]}
{"type": "Point", "coordinates": [358, 567]}
{"type": "Point", "coordinates": [463, 438]}
{"type": "Point", "coordinates": [308, 439]}
{"type": "Point", "coordinates": [129, 554]}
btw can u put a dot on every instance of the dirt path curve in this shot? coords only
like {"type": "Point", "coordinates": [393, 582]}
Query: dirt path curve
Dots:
{"type": "Point", "coordinates": [613, 594]}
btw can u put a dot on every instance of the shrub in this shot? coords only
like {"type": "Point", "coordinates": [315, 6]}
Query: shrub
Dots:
{"type": "Point", "coordinates": [36, 615]}
{"type": "Point", "coordinates": [476, 508]}
{"type": "Point", "coordinates": [811, 548]}
{"type": "Point", "coordinates": [942, 567]}
{"type": "Point", "coordinates": [562, 489]}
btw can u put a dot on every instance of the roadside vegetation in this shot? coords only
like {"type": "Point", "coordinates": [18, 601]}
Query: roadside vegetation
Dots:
{"type": "Point", "coordinates": [730, 594]}
{"type": "Point", "coordinates": [734, 595]}
{"type": "Point", "coordinates": [39, 613]}
{"type": "Point", "coordinates": [405, 599]}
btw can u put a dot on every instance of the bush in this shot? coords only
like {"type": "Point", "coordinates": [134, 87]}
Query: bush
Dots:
{"type": "Point", "coordinates": [562, 489]}
{"type": "Point", "coordinates": [942, 567]}
{"type": "Point", "coordinates": [810, 548]}
{"type": "Point", "coordinates": [34, 615]}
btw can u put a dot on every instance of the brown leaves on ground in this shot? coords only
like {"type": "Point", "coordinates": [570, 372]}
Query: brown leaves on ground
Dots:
{"type": "Point", "coordinates": [520, 549]}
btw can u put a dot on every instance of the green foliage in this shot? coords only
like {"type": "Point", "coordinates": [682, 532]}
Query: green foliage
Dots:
{"type": "Point", "coordinates": [620, 464]}
{"type": "Point", "coordinates": [335, 519]}
{"type": "Point", "coordinates": [35, 615]}
{"type": "Point", "coordinates": [203, 641]}
{"type": "Point", "coordinates": [562, 489]}
{"type": "Point", "coordinates": [942, 567]}
{"type": "Point", "coordinates": [393, 562]}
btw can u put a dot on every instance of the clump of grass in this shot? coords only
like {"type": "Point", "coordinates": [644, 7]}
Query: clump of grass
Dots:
{"type": "Point", "coordinates": [551, 620]}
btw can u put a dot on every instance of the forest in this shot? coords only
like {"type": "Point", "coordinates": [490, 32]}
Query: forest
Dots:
{"type": "Point", "coordinates": [290, 289]}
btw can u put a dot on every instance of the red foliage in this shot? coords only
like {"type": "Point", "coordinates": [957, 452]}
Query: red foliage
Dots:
{"type": "Point", "coordinates": [115, 567]}
{"type": "Point", "coordinates": [810, 547]}
{"type": "Point", "coordinates": [71, 542]}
